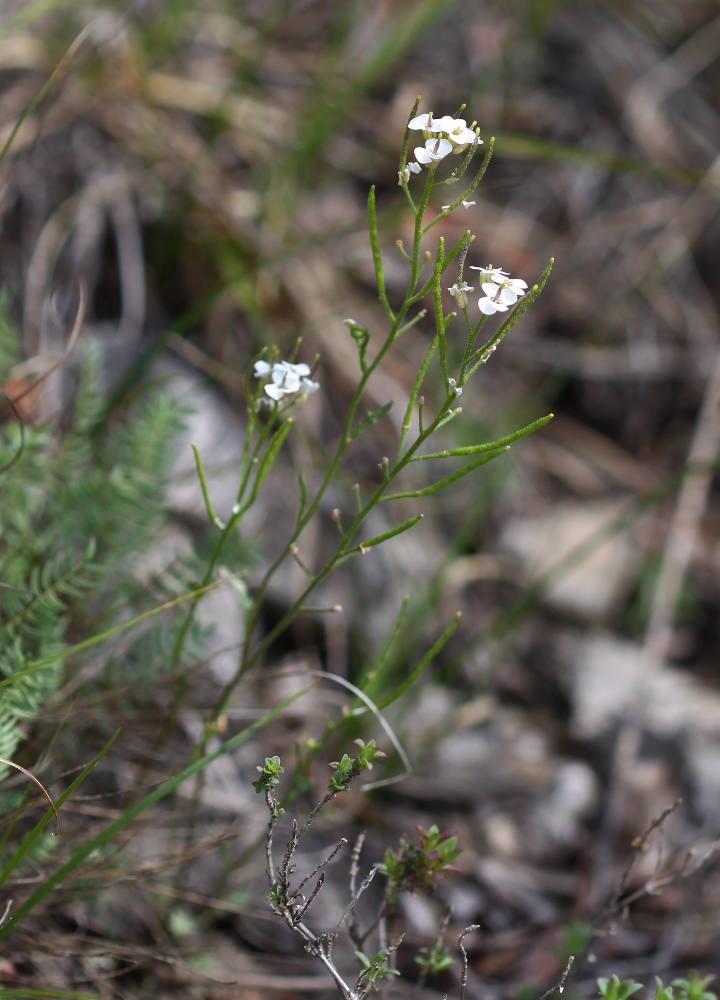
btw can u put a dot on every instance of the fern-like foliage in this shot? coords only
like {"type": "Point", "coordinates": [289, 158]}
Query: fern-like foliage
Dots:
{"type": "Point", "coordinates": [76, 510]}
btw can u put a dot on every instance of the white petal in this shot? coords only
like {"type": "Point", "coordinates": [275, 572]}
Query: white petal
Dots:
{"type": "Point", "coordinates": [308, 388]}
{"type": "Point", "coordinates": [285, 380]}
{"type": "Point", "coordinates": [421, 122]}
{"type": "Point", "coordinates": [414, 168]}
{"type": "Point", "coordinates": [518, 283]}
{"type": "Point", "coordinates": [490, 288]}
{"type": "Point", "coordinates": [302, 369]}
{"type": "Point", "coordinates": [508, 296]}
{"type": "Point", "coordinates": [488, 307]}
{"type": "Point", "coordinates": [445, 124]}
{"type": "Point", "coordinates": [422, 156]}
{"type": "Point", "coordinates": [438, 148]}
{"type": "Point", "coordinates": [274, 391]}
{"type": "Point", "coordinates": [261, 369]}
{"type": "Point", "coordinates": [463, 137]}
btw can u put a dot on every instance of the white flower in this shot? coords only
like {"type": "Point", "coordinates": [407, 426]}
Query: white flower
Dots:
{"type": "Point", "coordinates": [499, 288]}
{"type": "Point", "coordinates": [459, 293]}
{"type": "Point", "coordinates": [445, 124]}
{"type": "Point", "coordinates": [491, 273]}
{"type": "Point", "coordinates": [489, 305]}
{"type": "Point", "coordinates": [499, 297]}
{"type": "Point", "coordinates": [424, 122]}
{"type": "Point", "coordinates": [307, 388]}
{"type": "Point", "coordinates": [287, 379]}
{"type": "Point", "coordinates": [434, 150]}
{"type": "Point", "coordinates": [404, 175]}
{"type": "Point", "coordinates": [460, 135]}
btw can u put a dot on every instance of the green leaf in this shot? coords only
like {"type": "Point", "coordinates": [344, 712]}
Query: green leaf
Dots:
{"type": "Point", "coordinates": [477, 449]}
{"type": "Point", "coordinates": [376, 256]}
{"type": "Point", "coordinates": [429, 656]}
{"type": "Point", "coordinates": [370, 419]}
{"type": "Point", "coordinates": [361, 336]}
{"type": "Point", "coordinates": [452, 478]}
{"type": "Point", "coordinates": [663, 992]}
{"type": "Point", "coordinates": [268, 459]}
{"type": "Point", "coordinates": [693, 988]}
{"type": "Point", "coordinates": [613, 989]}
{"type": "Point", "coordinates": [407, 419]}
{"type": "Point", "coordinates": [374, 671]}
{"type": "Point", "coordinates": [214, 519]}
{"type": "Point", "coordinates": [379, 539]}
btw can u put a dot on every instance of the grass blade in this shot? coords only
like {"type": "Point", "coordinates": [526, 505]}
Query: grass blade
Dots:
{"type": "Point", "coordinates": [431, 653]}
{"type": "Point", "coordinates": [103, 838]}
{"type": "Point", "coordinates": [40, 826]}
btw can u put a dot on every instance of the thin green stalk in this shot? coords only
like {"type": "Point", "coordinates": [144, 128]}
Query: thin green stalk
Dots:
{"type": "Point", "coordinates": [376, 256]}
{"type": "Point", "coordinates": [250, 658]}
{"type": "Point", "coordinates": [407, 420]}
{"type": "Point", "coordinates": [439, 320]}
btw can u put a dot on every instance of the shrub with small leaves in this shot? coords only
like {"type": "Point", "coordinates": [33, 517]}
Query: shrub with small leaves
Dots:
{"type": "Point", "coordinates": [374, 968]}
{"type": "Point", "coordinates": [694, 987]}
{"type": "Point", "coordinates": [348, 768]}
{"type": "Point", "coordinates": [414, 868]}
{"type": "Point", "coordinates": [613, 989]}
{"type": "Point", "coordinates": [268, 775]}
{"type": "Point", "coordinates": [435, 959]}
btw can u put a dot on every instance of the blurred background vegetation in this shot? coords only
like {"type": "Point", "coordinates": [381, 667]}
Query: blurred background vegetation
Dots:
{"type": "Point", "coordinates": [203, 166]}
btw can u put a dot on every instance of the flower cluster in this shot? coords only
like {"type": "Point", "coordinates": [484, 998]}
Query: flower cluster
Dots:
{"type": "Point", "coordinates": [499, 289]}
{"type": "Point", "coordinates": [442, 136]}
{"type": "Point", "coordinates": [286, 379]}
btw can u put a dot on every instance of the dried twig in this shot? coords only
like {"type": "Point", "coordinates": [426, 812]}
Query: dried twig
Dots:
{"type": "Point", "coordinates": [560, 984]}
{"type": "Point", "coordinates": [461, 946]}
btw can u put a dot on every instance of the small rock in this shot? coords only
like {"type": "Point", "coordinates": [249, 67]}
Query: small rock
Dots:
{"type": "Point", "coordinates": [593, 587]}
